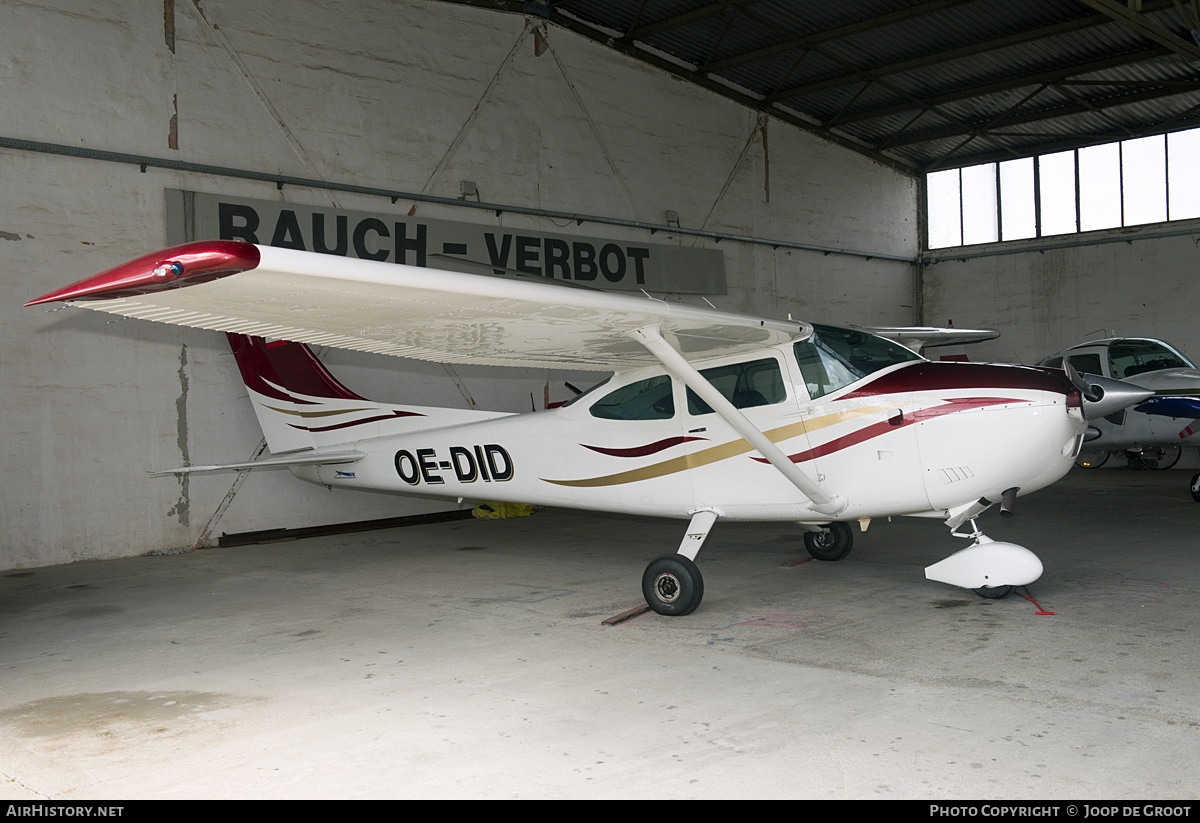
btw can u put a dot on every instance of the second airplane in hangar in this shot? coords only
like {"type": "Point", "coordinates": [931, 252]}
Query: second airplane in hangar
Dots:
{"type": "Point", "coordinates": [1155, 429]}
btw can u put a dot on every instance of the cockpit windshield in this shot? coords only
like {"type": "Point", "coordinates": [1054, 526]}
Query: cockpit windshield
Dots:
{"type": "Point", "coordinates": [1127, 358]}
{"type": "Point", "coordinates": [832, 357]}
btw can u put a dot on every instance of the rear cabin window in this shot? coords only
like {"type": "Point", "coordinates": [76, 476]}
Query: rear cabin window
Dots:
{"type": "Point", "coordinates": [645, 400]}
{"type": "Point", "coordinates": [745, 385]}
{"type": "Point", "coordinates": [833, 358]}
{"type": "Point", "coordinates": [586, 392]}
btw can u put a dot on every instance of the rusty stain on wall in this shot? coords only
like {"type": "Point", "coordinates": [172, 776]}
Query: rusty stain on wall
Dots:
{"type": "Point", "coordinates": [182, 507]}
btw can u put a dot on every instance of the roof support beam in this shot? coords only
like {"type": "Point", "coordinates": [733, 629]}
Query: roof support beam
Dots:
{"type": "Point", "coordinates": [955, 54]}
{"type": "Point", "coordinates": [794, 43]}
{"type": "Point", "coordinates": [1039, 79]}
{"type": "Point", "coordinates": [1166, 90]}
{"type": "Point", "coordinates": [1142, 24]}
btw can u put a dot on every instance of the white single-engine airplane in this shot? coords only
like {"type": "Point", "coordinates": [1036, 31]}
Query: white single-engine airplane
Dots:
{"type": "Point", "coordinates": [1156, 428]}
{"type": "Point", "coordinates": [709, 415]}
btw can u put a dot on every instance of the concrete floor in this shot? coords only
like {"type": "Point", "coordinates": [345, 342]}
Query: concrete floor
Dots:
{"type": "Point", "coordinates": [468, 659]}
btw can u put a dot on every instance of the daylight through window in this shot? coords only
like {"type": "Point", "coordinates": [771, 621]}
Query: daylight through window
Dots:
{"type": "Point", "coordinates": [1131, 182]}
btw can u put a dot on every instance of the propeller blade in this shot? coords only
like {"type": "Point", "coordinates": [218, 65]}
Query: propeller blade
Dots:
{"type": "Point", "coordinates": [1090, 392]}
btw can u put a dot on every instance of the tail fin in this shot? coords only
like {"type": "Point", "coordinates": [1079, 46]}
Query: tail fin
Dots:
{"type": "Point", "coordinates": [300, 405]}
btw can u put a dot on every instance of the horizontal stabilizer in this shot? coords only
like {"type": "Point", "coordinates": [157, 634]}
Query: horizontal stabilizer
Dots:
{"type": "Point", "coordinates": [330, 458]}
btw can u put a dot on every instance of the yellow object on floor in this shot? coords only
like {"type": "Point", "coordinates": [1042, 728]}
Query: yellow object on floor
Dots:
{"type": "Point", "coordinates": [495, 511]}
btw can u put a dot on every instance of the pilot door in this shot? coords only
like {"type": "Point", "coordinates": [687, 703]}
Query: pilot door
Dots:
{"type": "Point", "coordinates": [726, 471]}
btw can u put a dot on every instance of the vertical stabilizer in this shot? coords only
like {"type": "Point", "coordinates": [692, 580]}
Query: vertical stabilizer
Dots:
{"type": "Point", "coordinates": [300, 405]}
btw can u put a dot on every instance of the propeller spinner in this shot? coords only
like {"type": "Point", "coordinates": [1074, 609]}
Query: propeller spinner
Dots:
{"type": "Point", "coordinates": [1104, 395]}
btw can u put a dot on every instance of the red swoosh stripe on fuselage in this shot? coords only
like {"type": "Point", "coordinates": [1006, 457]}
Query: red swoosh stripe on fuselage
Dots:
{"type": "Point", "coordinates": [874, 430]}
{"type": "Point", "coordinates": [642, 451]}
{"type": "Point", "coordinates": [950, 376]}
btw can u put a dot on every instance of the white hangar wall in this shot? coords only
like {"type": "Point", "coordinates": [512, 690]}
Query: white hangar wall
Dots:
{"type": "Point", "coordinates": [410, 96]}
{"type": "Point", "coordinates": [1131, 282]}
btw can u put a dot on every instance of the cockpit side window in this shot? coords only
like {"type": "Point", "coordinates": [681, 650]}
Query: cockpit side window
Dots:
{"type": "Point", "coordinates": [645, 400]}
{"type": "Point", "coordinates": [745, 385]}
{"type": "Point", "coordinates": [832, 358]}
{"type": "Point", "coordinates": [1127, 358]}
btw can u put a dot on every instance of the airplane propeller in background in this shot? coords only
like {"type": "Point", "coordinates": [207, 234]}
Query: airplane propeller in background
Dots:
{"type": "Point", "coordinates": [1103, 395]}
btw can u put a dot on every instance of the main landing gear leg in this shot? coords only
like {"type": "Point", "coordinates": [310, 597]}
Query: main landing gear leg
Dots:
{"type": "Point", "coordinates": [672, 584]}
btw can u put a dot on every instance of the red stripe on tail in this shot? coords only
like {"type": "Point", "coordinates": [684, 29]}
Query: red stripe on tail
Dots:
{"type": "Point", "coordinates": [290, 366]}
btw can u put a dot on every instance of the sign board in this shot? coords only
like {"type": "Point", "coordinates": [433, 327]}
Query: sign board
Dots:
{"type": "Point", "coordinates": [446, 244]}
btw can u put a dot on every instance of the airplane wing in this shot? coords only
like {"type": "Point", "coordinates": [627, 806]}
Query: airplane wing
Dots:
{"type": "Point", "coordinates": [919, 337]}
{"type": "Point", "coordinates": [428, 314]}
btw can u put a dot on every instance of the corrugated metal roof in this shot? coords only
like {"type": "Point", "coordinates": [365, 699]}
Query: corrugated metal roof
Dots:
{"type": "Point", "coordinates": [922, 84]}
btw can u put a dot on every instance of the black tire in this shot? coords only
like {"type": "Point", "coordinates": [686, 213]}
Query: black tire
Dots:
{"type": "Point", "coordinates": [994, 592]}
{"type": "Point", "coordinates": [833, 542]}
{"type": "Point", "coordinates": [1195, 487]}
{"type": "Point", "coordinates": [1162, 457]}
{"type": "Point", "coordinates": [672, 585]}
{"type": "Point", "coordinates": [1092, 459]}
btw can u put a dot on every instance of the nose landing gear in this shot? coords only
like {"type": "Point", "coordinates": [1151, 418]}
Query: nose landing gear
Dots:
{"type": "Point", "coordinates": [989, 568]}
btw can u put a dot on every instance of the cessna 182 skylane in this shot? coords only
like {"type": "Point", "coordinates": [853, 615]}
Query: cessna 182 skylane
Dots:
{"type": "Point", "coordinates": [708, 415]}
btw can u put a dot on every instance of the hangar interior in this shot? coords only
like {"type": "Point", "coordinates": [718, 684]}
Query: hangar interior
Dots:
{"type": "Point", "coordinates": [795, 138]}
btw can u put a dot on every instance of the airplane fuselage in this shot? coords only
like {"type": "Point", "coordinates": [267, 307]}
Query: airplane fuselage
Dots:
{"type": "Point", "coordinates": [916, 438]}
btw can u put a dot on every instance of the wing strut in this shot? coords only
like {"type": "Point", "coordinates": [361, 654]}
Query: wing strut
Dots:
{"type": "Point", "coordinates": [682, 370]}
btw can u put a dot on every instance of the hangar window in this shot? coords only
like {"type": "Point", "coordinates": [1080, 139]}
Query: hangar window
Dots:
{"type": "Point", "coordinates": [1127, 183]}
{"type": "Point", "coordinates": [645, 400]}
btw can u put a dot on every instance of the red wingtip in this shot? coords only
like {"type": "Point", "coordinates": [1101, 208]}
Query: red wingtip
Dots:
{"type": "Point", "coordinates": [171, 268]}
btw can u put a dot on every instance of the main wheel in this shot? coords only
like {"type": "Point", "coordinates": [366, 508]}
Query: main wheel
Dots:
{"type": "Point", "coordinates": [672, 585]}
{"type": "Point", "coordinates": [1091, 459]}
{"type": "Point", "coordinates": [994, 592]}
{"type": "Point", "coordinates": [1162, 457]}
{"type": "Point", "coordinates": [833, 542]}
{"type": "Point", "coordinates": [1195, 487]}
